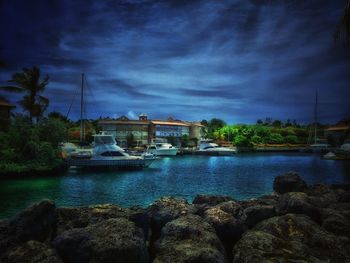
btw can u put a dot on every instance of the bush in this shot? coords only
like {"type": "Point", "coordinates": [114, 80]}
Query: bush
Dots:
{"type": "Point", "coordinates": [241, 141]}
{"type": "Point", "coordinates": [276, 138]}
{"type": "Point", "coordinates": [257, 139]}
{"type": "Point", "coordinates": [291, 139]}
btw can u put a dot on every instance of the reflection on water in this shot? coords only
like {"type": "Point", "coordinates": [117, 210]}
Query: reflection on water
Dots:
{"type": "Point", "coordinates": [241, 176]}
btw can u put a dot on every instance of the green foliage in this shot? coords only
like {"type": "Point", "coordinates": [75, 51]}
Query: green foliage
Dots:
{"type": "Point", "coordinates": [256, 139]}
{"type": "Point", "coordinates": [184, 140]}
{"type": "Point", "coordinates": [242, 141]}
{"type": "Point", "coordinates": [26, 147]}
{"type": "Point", "coordinates": [292, 139]}
{"type": "Point", "coordinates": [29, 82]}
{"type": "Point", "coordinates": [212, 126]}
{"type": "Point", "coordinates": [275, 138]}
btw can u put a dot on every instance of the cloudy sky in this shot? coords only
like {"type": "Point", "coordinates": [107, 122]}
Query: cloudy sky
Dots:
{"type": "Point", "coordinates": [238, 60]}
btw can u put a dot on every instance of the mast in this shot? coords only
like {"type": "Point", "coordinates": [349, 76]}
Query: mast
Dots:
{"type": "Point", "coordinates": [316, 102]}
{"type": "Point", "coordinates": [82, 128]}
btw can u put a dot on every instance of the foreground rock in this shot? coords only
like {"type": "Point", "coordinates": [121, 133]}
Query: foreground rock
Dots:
{"type": "Point", "coordinates": [290, 182]}
{"type": "Point", "coordinates": [31, 251]}
{"type": "Point", "coordinates": [290, 238]}
{"type": "Point", "coordinates": [107, 241]}
{"type": "Point", "coordinates": [189, 239]}
{"type": "Point", "coordinates": [35, 223]}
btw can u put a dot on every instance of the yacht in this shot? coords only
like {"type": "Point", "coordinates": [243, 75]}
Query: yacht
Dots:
{"type": "Point", "coordinates": [345, 146]}
{"type": "Point", "coordinates": [106, 153]}
{"type": "Point", "coordinates": [208, 147]}
{"type": "Point", "coordinates": [162, 148]}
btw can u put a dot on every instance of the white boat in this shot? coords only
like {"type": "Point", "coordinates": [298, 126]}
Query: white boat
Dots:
{"type": "Point", "coordinates": [161, 148]}
{"type": "Point", "coordinates": [208, 147]}
{"type": "Point", "coordinates": [345, 146]}
{"type": "Point", "coordinates": [319, 147]}
{"type": "Point", "coordinates": [106, 153]}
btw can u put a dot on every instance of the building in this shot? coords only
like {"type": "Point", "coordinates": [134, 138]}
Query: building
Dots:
{"type": "Point", "coordinates": [337, 134]}
{"type": "Point", "coordinates": [5, 114]}
{"type": "Point", "coordinates": [5, 109]}
{"type": "Point", "coordinates": [144, 131]}
{"type": "Point", "coordinates": [127, 131]}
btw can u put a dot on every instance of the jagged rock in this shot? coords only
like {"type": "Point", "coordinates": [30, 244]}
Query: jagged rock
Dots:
{"type": "Point", "coordinates": [254, 214]}
{"type": "Point", "coordinates": [290, 182]}
{"type": "Point", "coordinates": [290, 238]}
{"type": "Point", "coordinates": [165, 210]}
{"type": "Point", "coordinates": [262, 200]}
{"type": "Point", "coordinates": [110, 240]}
{"type": "Point", "coordinates": [337, 222]}
{"type": "Point", "coordinates": [34, 223]}
{"type": "Point", "coordinates": [228, 228]}
{"type": "Point", "coordinates": [70, 217]}
{"type": "Point", "coordinates": [31, 252]}
{"type": "Point", "coordinates": [210, 200]}
{"type": "Point", "coordinates": [189, 239]}
{"type": "Point", "coordinates": [298, 203]}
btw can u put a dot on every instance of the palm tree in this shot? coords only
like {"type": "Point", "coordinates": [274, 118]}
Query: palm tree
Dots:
{"type": "Point", "coordinates": [29, 82]}
{"type": "Point", "coordinates": [344, 25]}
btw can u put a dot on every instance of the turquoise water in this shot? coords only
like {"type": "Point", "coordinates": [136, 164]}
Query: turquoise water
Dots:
{"type": "Point", "coordinates": [241, 176]}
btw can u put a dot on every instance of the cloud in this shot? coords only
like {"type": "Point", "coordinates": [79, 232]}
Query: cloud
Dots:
{"type": "Point", "coordinates": [237, 60]}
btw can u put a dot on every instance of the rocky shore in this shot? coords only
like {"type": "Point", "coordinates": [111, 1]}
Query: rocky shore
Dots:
{"type": "Point", "coordinates": [297, 223]}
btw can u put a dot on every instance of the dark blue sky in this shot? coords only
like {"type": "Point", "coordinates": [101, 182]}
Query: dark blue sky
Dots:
{"type": "Point", "coordinates": [238, 60]}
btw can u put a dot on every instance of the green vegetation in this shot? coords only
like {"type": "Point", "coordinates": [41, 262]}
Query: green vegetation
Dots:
{"type": "Point", "coordinates": [27, 148]}
{"type": "Point", "coordinates": [268, 132]}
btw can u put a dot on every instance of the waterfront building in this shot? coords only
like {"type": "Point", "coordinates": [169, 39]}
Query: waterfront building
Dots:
{"type": "Point", "coordinates": [127, 131]}
{"type": "Point", "coordinates": [145, 131]}
{"type": "Point", "coordinates": [337, 133]}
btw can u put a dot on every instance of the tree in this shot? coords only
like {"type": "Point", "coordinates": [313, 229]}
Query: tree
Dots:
{"type": "Point", "coordinates": [130, 139]}
{"type": "Point", "coordinates": [214, 125]}
{"type": "Point", "coordinates": [30, 83]}
{"type": "Point", "coordinates": [344, 24]}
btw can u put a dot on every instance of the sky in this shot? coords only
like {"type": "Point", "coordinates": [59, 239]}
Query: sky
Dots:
{"type": "Point", "coordinates": [238, 60]}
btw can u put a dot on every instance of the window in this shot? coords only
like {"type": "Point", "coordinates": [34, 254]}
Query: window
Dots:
{"type": "Point", "coordinates": [112, 153]}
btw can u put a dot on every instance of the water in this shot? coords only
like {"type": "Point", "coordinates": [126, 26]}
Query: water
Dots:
{"type": "Point", "coordinates": [241, 176]}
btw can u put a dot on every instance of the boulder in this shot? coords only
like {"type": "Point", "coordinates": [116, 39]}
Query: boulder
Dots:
{"type": "Point", "coordinates": [225, 220]}
{"type": "Point", "coordinates": [34, 223]}
{"type": "Point", "coordinates": [210, 200]}
{"type": "Point", "coordinates": [110, 240]}
{"type": "Point", "coordinates": [337, 222]}
{"type": "Point", "coordinates": [31, 251]}
{"type": "Point", "coordinates": [189, 239]}
{"type": "Point", "coordinates": [165, 210]}
{"type": "Point", "coordinates": [298, 203]}
{"type": "Point", "coordinates": [70, 217]}
{"type": "Point", "coordinates": [254, 214]}
{"type": "Point", "coordinates": [290, 182]}
{"type": "Point", "coordinates": [290, 238]}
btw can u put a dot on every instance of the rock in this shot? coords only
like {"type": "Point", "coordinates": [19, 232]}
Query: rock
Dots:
{"type": "Point", "coordinates": [35, 223]}
{"type": "Point", "coordinates": [337, 222]}
{"type": "Point", "coordinates": [30, 252]}
{"type": "Point", "coordinates": [224, 219]}
{"type": "Point", "coordinates": [211, 200]}
{"type": "Point", "coordinates": [189, 239]}
{"type": "Point", "coordinates": [165, 210]}
{"type": "Point", "coordinates": [298, 203]}
{"type": "Point", "coordinates": [290, 238]}
{"type": "Point", "coordinates": [110, 240]}
{"type": "Point", "coordinates": [254, 214]}
{"type": "Point", "coordinates": [262, 200]}
{"type": "Point", "coordinates": [70, 217]}
{"type": "Point", "coordinates": [290, 182]}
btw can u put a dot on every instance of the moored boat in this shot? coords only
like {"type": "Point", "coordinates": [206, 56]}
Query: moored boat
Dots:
{"type": "Point", "coordinates": [208, 147]}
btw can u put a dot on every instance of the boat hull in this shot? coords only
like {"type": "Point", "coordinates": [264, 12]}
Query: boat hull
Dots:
{"type": "Point", "coordinates": [215, 153]}
{"type": "Point", "coordinates": [112, 164]}
{"type": "Point", "coordinates": [164, 152]}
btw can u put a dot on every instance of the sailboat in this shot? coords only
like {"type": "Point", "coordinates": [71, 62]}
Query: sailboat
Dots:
{"type": "Point", "coordinates": [317, 146]}
{"type": "Point", "coordinates": [105, 152]}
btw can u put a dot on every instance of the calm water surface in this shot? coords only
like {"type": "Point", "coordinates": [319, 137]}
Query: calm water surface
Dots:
{"type": "Point", "coordinates": [241, 176]}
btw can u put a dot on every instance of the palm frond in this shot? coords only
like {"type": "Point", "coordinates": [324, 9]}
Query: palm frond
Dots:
{"type": "Point", "coordinates": [12, 89]}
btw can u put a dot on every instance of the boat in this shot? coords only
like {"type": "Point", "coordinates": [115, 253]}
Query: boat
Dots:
{"type": "Point", "coordinates": [104, 153]}
{"type": "Point", "coordinates": [162, 148]}
{"type": "Point", "coordinates": [345, 146]}
{"type": "Point", "coordinates": [107, 154]}
{"type": "Point", "coordinates": [208, 147]}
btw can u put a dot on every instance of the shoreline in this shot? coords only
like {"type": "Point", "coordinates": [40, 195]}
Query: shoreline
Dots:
{"type": "Point", "coordinates": [290, 223]}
